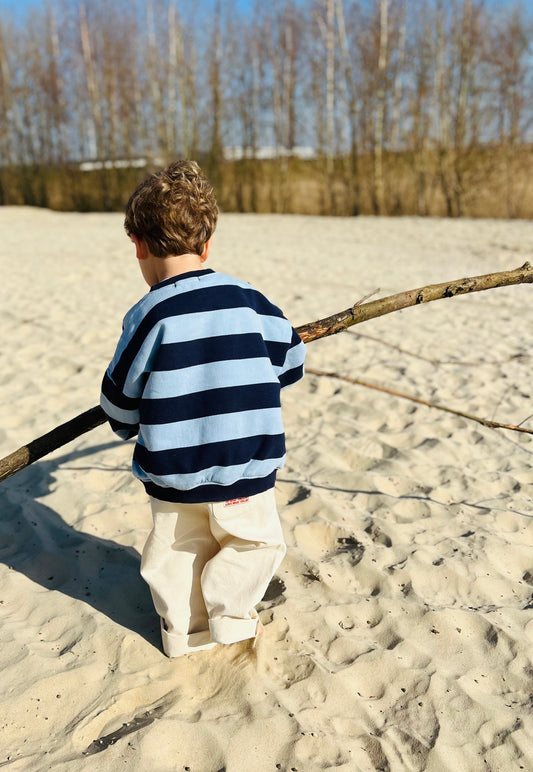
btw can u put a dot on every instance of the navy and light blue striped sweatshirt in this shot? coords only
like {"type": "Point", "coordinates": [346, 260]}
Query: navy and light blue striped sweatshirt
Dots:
{"type": "Point", "coordinates": [197, 376]}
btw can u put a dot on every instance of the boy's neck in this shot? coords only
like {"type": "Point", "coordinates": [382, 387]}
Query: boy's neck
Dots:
{"type": "Point", "coordinates": [158, 269]}
{"type": "Point", "coordinates": [174, 265]}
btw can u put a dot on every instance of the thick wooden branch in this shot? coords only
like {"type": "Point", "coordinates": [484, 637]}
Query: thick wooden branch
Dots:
{"type": "Point", "coordinates": [360, 312]}
{"type": "Point", "coordinates": [50, 441]}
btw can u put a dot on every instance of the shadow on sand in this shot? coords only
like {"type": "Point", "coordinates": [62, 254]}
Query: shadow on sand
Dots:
{"type": "Point", "coordinates": [37, 542]}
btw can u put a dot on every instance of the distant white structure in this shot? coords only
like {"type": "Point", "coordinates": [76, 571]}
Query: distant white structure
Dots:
{"type": "Point", "coordinates": [231, 153]}
{"type": "Point", "coordinates": [124, 163]}
{"type": "Point", "coordinates": [268, 153]}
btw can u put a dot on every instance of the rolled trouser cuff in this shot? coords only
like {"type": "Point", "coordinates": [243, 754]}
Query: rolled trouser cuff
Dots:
{"type": "Point", "coordinates": [231, 630]}
{"type": "Point", "coordinates": [178, 645]}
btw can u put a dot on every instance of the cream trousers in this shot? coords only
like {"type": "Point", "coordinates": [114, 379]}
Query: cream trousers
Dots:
{"type": "Point", "coordinates": [208, 565]}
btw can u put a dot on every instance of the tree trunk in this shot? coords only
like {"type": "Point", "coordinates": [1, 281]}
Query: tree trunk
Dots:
{"type": "Point", "coordinates": [379, 118]}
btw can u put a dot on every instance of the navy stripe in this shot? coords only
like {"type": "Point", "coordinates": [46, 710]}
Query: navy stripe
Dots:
{"type": "Point", "coordinates": [295, 339]}
{"type": "Point", "coordinates": [212, 298]}
{"type": "Point", "coordinates": [203, 493]}
{"type": "Point", "coordinates": [222, 454]}
{"type": "Point", "coordinates": [127, 430]}
{"type": "Point", "coordinates": [116, 397]}
{"type": "Point", "coordinates": [277, 352]}
{"type": "Point", "coordinates": [173, 356]}
{"type": "Point", "coordinates": [291, 376]}
{"type": "Point", "coordinates": [181, 277]}
{"type": "Point", "coordinates": [210, 402]}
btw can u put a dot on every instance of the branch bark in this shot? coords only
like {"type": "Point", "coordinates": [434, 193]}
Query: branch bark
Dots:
{"type": "Point", "coordinates": [360, 312]}
{"type": "Point", "coordinates": [53, 440]}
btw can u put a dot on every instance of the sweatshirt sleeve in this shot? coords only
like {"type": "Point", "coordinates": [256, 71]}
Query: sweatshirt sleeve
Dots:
{"type": "Point", "coordinates": [124, 380]}
{"type": "Point", "coordinates": [292, 369]}
{"type": "Point", "coordinates": [122, 412]}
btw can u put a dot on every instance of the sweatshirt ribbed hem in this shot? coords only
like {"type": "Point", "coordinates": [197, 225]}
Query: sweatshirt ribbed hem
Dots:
{"type": "Point", "coordinates": [209, 493]}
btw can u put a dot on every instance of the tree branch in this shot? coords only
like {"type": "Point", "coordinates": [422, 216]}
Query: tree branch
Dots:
{"type": "Point", "coordinates": [360, 312]}
{"type": "Point", "coordinates": [384, 389]}
{"type": "Point", "coordinates": [53, 440]}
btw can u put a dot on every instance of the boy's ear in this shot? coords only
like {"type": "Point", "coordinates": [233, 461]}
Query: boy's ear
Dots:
{"type": "Point", "coordinates": [205, 253]}
{"type": "Point", "coordinates": [141, 248]}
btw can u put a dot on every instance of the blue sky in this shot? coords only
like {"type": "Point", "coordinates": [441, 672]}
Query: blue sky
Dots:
{"type": "Point", "coordinates": [17, 9]}
{"type": "Point", "coordinates": [20, 6]}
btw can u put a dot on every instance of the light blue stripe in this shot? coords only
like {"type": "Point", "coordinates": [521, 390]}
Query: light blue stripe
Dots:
{"type": "Point", "coordinates": [226, 321]}
{"type": "Point", "coordinates": [196, 326]}
{"type": "Point", "coordinates": [217, 428]}
{"type": "Point", "coordinates": [143, 307]}
{"type": "Point", "coordinates": [295, 357]}
{"type": "Point", "coordinates": [134, 378]}
{"type": "Point", "coordinates": [214, 375]}
{"type": "Point", "coordinates": [124, 416]}
{"type": "Point", "coordinates": [129, 325]}
{"type": "Point", "coordinates": [152, 299]}
{"type": "Point", "coordinates": [217, 279]}
{"type": "Point", "coordinates": [215, 475]}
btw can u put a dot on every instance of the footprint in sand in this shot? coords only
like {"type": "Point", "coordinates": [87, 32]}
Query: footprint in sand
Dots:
{"type": "Point", "coordinates": [330, 556]}
{"type": "Point", "coordinates": [274, 594]}
{"type": "Point", "coordinates": [377, 535]}
{"type": "Point", "coordinates": [324, 541]}
{"type": "Point", "coordinates": [301, 494]}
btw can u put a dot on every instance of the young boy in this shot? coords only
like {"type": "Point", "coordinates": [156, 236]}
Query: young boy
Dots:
{"type": "Point", "coordinates": [197, 375]}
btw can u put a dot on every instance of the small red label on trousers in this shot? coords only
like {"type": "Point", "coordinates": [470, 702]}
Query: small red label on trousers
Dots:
{"type": "Point", "coordinates": [231, 502]}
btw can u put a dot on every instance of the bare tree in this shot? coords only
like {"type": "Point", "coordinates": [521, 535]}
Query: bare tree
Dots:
{"type": "Point", "coordinates": [8, 106]}
{"type": "Point", "coordinates": [95, 127]}
{"type": "Point", "coordinates": [420, 113]}
{"type": "Point", "coordinates": [324, 88]}
{"type": "Point", "coordinates": [163, 56]}
{"type": "Point", "coordinates": [400, 107]}
{"type": "Point", "coordinates": [381, 42]}
{"type": "Point", "coordinates": [509, 59]}
{"type": "Point", "coordinates": [398, 76]}
{"type": "Point", "coordinates": [348, 99]}
{"type": "Point", "coordinates": [282, 35]}
{"type": "Point", "coordinates": [53, 87]}
{"type": "Point", "coordinates": [247, 103]}
{"type": "Point", "coordinates": [458, 88]}
{"type": "Point", "coordinates": [182, 117]}
{"type": "Point", "coordinates": [380, 107]}
{"type": "Point", "coordinates": [216, 105]}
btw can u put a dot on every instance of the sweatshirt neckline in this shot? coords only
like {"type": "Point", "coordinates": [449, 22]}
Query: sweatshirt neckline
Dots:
{"type": "Point", "coordinates": [180, 277]}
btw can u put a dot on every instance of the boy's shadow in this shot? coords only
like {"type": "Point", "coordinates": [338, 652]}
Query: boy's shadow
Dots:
{"type": "Point", "coordinates": [37, 542]}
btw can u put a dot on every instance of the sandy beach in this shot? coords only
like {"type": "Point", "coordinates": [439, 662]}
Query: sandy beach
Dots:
{"type": "Point", "coordinates": [399, 629]}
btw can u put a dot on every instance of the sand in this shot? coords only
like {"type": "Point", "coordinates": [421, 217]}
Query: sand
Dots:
{"type": "Point", "coordinates": [399, 630]}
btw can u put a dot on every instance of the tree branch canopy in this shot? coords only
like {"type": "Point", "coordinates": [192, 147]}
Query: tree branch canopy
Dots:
{"type": "Point", "coordinates": [360, 312]}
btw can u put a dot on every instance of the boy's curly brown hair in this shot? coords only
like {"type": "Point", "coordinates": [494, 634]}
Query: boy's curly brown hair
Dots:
{"type": "Point", "coordinates": [174, 211]}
